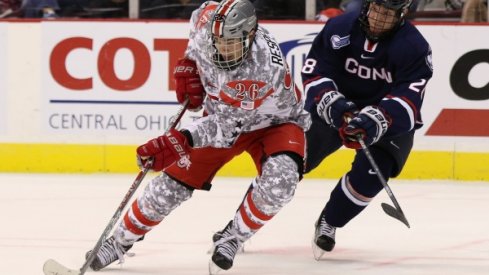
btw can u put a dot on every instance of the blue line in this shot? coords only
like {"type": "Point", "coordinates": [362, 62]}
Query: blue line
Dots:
{"type": "Point", "coordinates": [59, 101]}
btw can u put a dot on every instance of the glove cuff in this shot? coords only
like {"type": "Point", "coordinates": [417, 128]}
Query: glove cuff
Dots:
{"type": "Point", "coordinates": [379, 117]}
{"type": "Point", "coordinates": [327, 99]}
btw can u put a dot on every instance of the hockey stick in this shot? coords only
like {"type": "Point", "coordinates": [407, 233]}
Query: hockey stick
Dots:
{"type": "Point", "coordinates": [52, 267]}
{"type": "Point", "coordinates": [395, 212]}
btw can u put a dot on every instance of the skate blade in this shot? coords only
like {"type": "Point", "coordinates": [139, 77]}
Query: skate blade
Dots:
{"type": "Point", "coordinates": [52, 267]}
{"type": "Point", "coordinates": [211, 250]}
{"type": "Point", "coordinates": [317, 251]}
{"type": "Point", "coordinates": [213, 268]}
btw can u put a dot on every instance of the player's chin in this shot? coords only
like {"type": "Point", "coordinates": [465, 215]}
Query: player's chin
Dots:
{"type": "Point", "coordinates": [376, 31]}
{"type": "Point", "coordinates": [230, 56]}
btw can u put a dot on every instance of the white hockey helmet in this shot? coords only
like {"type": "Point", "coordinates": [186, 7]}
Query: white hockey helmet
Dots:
{"type": "Point", "coordinates": [232, 30]}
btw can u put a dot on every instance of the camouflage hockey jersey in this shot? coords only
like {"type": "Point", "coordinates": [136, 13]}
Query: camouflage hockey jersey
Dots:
{"type": "Point", "coordinates": [258, 94]}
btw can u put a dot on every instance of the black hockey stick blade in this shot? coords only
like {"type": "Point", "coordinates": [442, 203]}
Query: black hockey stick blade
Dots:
{"type": "Point", "coordinates": [52, 267]}
{"type": "Point", "coordinates": [395, 213]}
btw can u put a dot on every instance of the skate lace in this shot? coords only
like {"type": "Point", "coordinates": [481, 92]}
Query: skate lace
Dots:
{"type": "Point", "coordinates": [326, 229]}
{"type": "Point", "coordinates": [227, 245]}
{"type": "Point", "coordinates": [106, 253]}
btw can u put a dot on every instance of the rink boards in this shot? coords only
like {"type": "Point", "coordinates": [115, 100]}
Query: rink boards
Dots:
{"type": "Point", "coordinates": [78, 96]}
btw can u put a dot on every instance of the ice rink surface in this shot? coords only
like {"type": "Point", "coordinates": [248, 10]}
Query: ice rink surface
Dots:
{"type": "Point", "coordinates": [62, 216]}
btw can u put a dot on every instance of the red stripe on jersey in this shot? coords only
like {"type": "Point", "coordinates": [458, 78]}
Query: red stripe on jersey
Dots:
{"type": "Point", "coordinates": [251, 224]}
{"type": "Point", "coordinates": [255, 211]}
{"type": "Point", "coordinates": [132, 227]}
{"type": "Point", "coordinates": [370, 46]}
{"type": "Point", "coordinates": [298, 93]}
{"type": "Point", "coordinates": [410, 103]}
{"type": "Point", "coordinates": [213, 97]}
{"type": "Point", "coordinates": [141, 218]}
{"type": "Point", "coordinates": [311, 80]}
{"type": "Point", "coordinates": [288, 78]}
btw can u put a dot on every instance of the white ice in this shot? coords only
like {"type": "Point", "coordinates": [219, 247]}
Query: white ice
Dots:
{"type": "Point", "coordinates": [62, 216]}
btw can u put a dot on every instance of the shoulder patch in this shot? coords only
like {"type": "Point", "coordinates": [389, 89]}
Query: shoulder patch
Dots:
{"type": "Point", "coordinates": [339, 42]}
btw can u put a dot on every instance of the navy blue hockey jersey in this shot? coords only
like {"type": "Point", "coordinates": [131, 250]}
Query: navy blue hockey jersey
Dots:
{"type": "Point", "coordinates": [391, 74]}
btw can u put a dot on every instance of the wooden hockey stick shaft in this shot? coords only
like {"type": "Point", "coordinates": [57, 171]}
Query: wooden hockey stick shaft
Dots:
{"type": "Point", "coordinates": [139, 178]}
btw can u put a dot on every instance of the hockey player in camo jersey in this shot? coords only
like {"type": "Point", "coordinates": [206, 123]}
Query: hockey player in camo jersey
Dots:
{"type": "Point", "coordinates": [364, 77]}
{"type": "Point", "coordinates": [235, 69]}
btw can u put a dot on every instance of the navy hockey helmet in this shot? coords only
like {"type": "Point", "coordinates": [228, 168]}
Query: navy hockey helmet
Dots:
{"type": "Point", "coordinates": [381, 18]}
{"type": "Point", "coordinates": [232, 31]}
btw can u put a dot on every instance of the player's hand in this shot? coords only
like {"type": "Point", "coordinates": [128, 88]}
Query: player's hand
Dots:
{"type": "Point", "coordinates": [334, 108]}
{"type": "Point", "coordinates": [370, 124]}
{"type": "Point", "coordinates": [188, 84]}
{"type": "Point", "coordinates": [165, 150]}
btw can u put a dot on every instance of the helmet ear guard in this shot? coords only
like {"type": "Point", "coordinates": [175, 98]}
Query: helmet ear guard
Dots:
{"type": "Point", "coordinates": [231, 33]}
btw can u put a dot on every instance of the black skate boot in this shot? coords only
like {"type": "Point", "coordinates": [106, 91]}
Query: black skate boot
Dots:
{"type": "Point", "coordinates": [109, 252]}
{"type": "Point", "coordinates": [324, 238]}
{"type": "Point", "coordinates": [226, 245]}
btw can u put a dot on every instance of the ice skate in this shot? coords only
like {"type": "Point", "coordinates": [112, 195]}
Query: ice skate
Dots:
{"type": "Point", "coordinates": [109, 252]}
{"type": "Point", "coordinates": [324, 238]}
{"type": "Point", "coordinates": [217, 236]}
{"type": "Point", "coordinates": [226, 245]}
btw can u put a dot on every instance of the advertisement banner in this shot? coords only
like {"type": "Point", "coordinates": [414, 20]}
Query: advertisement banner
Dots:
{"type": "Point", "coordinates": [110, 78]}
{"type": "Point", "coordinates": [457, 100]}
{"type": "Point", "coordinates": [115, 78]}
{"type": "Point", "coordinates": [3, 78]}
{"type": "Point", "coordinates": [88, 91]}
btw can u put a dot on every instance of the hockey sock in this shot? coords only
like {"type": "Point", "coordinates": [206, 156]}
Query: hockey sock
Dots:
{"type": "Point", "coordinates": [134, 225]}
{"type": "Point", "coordinates": [249, 219]}
{"type": "Point", "coordinates": [344, 204]}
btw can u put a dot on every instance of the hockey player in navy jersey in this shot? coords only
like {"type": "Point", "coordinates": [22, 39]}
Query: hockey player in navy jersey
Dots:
{"type": "Point", "coordinates": [365, 77]}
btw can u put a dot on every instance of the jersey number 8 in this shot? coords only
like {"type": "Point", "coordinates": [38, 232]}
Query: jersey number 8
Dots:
{"type": "Point", "coordinates": [309, 65]}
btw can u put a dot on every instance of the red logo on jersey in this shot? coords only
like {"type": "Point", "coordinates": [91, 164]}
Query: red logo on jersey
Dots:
{"type": "Point", "coordinates": [246, 94]}
{"type": "Point", "coordinates": [205, 15]}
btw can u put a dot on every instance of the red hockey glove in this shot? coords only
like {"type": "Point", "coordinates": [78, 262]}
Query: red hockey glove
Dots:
{"type": "Point", "coordinates": [165, 150]}
{"type": "Point", "coordinates": [370, 125]}
{"type": "Point", "coordinates": [188, 83]}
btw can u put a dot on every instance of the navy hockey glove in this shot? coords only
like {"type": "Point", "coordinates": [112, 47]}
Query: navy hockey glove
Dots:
{"type": "Point", "coordinates": [165, 150]}
{"type": "Point", "coordinates": [369, 125]}
{"type": "Point", "coordinates": [334, 108]}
